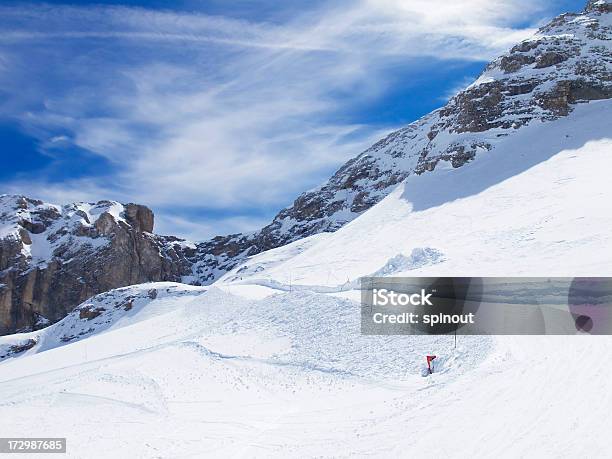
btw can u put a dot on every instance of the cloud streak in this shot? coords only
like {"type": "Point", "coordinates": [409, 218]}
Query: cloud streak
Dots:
{"type": "Point", "coordinates": [208, 112]}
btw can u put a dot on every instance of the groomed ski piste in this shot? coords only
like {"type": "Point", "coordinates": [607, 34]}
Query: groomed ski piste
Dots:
{"type": "Point", "coordinates": [269, 361]}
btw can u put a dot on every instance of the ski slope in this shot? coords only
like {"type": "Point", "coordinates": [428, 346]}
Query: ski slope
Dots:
{"type": "Point", "coordinates": [269, 361]}
{"type": "Point", "coordinates": [196, 371]}
{"type": "Point", "coordinates": [211, 376]}
{"type": "Point", "coordinates": [539, 204]}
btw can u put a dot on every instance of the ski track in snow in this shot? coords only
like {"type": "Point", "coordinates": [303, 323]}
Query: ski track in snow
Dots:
{"type": "Point", "coordinates": [211, 381]}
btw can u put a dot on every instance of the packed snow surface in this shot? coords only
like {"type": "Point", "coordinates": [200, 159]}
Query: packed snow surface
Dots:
{"type": "Point", "coordinates": [269, 361]}
{"type": "Point", "coordinates": [537, 205]}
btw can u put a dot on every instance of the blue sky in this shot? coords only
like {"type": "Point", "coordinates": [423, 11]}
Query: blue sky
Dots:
{"type": "Point", "coordinates": [217, 114]}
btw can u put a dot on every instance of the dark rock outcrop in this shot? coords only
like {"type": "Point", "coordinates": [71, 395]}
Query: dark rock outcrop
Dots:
{"type": "Point", "coordinates": [53, 258]}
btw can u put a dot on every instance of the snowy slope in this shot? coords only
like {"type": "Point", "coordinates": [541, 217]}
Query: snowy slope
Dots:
{"type": "Point", "coordinates": [189, 383]}
{"type": "Point", "coordinates": [539, 205]}
{"type": "Point", "coordinates": [269, 362]}
{"type": "Point", "coordinates": [194, 372]}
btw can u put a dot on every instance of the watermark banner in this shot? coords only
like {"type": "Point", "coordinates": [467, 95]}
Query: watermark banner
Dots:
{"type": "Point", "coordinates": [486, 305]}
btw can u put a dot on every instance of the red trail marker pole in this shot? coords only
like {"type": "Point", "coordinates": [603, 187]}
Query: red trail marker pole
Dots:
{"type": "Point", "coordinates": [429, 363]}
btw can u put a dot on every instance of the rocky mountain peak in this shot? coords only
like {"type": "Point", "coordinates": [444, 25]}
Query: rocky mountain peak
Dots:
{"type": "Point", "coordinates": [598, 6]}
{"type": "Point", "coordinates": [566, 62]}
{"type": "Point", "coordinates": [53, 257]}
{"type": "Point", "coordinates": [140, 217]}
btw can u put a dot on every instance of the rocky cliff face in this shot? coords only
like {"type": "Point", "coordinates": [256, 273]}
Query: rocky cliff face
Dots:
{"type": "Point", "coordinates": [52, 258]}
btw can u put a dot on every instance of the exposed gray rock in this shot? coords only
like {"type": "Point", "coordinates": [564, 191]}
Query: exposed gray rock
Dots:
{"type": "Point", "coordinates": [139, 217]}
{"type": "Point", "coordinates": [23, 346]}
{"type": "Point", "coordinates": [598, 6]}
{"type": "Point", "coordinates": [57, 257]}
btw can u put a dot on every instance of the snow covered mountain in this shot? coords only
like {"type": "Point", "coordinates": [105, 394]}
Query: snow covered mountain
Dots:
{"type": "Point", "coordinates": [535, 206]}
{"type": "Point", "coordinates": [52, 257]}
{"type": "Point", "coordinates": [566, 63]}
{"type": "Point", "coordinates": [268, 361]}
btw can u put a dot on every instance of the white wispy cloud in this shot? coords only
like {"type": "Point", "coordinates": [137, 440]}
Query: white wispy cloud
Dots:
{"type": "Point", "coordinates": [212, 112]}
